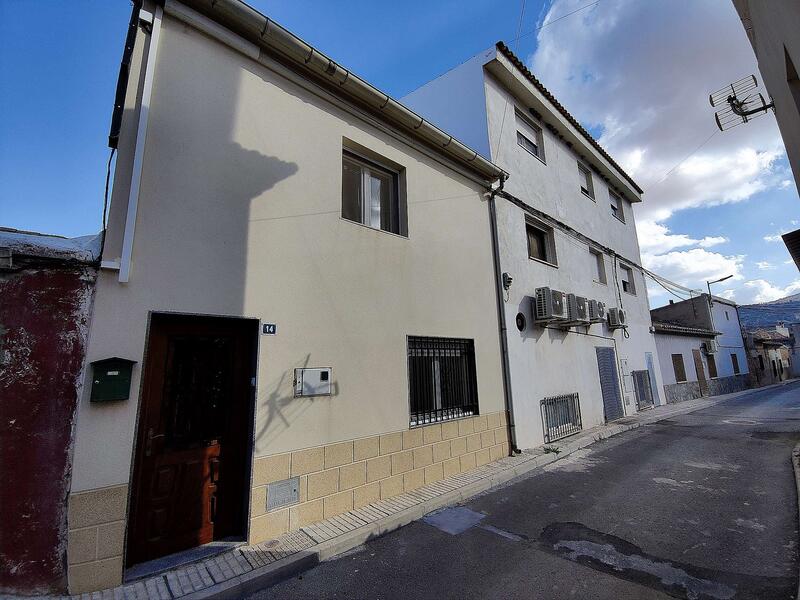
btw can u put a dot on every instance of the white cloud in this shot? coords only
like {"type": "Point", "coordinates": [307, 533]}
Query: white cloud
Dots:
{"type": "Point", "coordinates": [692, 268]}
{"type": "Point", "coordinates": [774, 237]}
{"type": "Point", "coordinates": [766, 292]}
{"type": "Point", "coordinates": [764, 265]}
{"type": "Point", "coordinates": [650, 96]}
{"type": "Point", "coordinates": [642, 72]}
{"type": "Point", "coordinates": [655, 238]}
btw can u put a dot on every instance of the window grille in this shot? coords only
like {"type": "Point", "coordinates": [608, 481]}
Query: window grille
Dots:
{"type": "Point", "coordinates": [441, 379]}
{"type": "Point", "coordinates": [561, 416]}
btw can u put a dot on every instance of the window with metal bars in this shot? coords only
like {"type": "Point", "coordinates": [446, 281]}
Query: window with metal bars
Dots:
{"type": "Point", "coordinates": [441, 379]}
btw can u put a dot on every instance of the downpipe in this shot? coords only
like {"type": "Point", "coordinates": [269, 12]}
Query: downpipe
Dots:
{"type": "Point", "coordinates": [501, 315]}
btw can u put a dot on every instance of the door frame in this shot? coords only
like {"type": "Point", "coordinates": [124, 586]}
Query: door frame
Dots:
{"type": "Point", "coordinates": [137, 446]}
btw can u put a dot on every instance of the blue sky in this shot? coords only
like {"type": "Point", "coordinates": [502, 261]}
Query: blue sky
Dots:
{"type": "Point", "coordinates": [615, 64]}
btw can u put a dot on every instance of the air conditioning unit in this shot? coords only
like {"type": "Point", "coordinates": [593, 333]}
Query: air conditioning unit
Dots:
{"type": "Point", "coordinates": [549, 305]}
{"type": "Point", "coordinates": [616, 318]}
{"type": "Point", "coordinates": [710, 346]}
{"type": "Point", "coordinates": [597, 311]}
{"type": "Point", "coordinates": [577, 312]}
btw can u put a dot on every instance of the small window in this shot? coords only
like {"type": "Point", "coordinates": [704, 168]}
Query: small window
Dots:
{"type": "Point", "coordinates": [727, 316]}
{"type": "Point", "coordinates": [587, 187]}
{"type": "Point", "coordinates": [599, 266]}
{"type": "Point", "coordinates": [735, 363]}
{"type": "Point", "coordinates": [626, 277]}
{"type": "Point", "coordinates": [441, 379]}
{"type": "Point", "coordinates": [529, 137]}
{"type": "Point", "coordinates": [616, 206]}
{"type": "Point", "coordinates": [712, 366]}
{"type": "Point", "coordinates": [678, 367]}
{"type": "Point", "coordinates": [370, 194]}
{"type": "Point", "coordinates": [541, 242]}
{"type": "Point", "coordinates": [760, 362]}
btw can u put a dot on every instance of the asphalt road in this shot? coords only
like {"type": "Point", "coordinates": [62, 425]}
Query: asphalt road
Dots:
{"type": "Point", "coordinates": [698, 506]}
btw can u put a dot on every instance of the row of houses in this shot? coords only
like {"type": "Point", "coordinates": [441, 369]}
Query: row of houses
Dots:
{"type": "Point", "coordinates": [311, 296]}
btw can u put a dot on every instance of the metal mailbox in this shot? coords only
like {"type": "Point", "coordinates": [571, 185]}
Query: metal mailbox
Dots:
{"type": "Point", "coordinates": [111, 379]}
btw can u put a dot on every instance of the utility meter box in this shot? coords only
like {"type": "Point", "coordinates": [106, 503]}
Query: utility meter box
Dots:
{"type": "Point", "coordinates": [111, 379]}
{"type": "Point", "coordinates": [313, 382]}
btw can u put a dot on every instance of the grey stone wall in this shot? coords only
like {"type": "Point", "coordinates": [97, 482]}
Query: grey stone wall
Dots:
{"type": "Point", "coordinates": [727, 385]}
{"type": "Point", "coordinates": [679, 392]}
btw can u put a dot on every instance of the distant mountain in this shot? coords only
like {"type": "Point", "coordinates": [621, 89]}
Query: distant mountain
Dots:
{"type": "Point", "coordinates": [769, 314]}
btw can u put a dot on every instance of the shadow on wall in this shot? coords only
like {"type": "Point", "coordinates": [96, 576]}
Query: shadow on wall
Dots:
{"type": "Point", "coordinates": [281, 407]}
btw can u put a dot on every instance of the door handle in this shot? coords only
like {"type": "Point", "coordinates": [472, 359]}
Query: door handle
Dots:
{"type": "Point", "coordinates": [148, 449]}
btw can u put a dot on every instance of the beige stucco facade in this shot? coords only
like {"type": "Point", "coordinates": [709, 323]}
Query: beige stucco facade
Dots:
{"type": "Point", "coordinates": [239, 215]}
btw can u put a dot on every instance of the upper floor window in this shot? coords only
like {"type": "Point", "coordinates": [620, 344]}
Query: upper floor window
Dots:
{"type": "Point", "coordinates": [529, 136]}
{"type": "Point", "coordinates": [599, 265]}
{"type": "Point", "coordinates": [371, 194]}
{"type": "Point", "coordinates": [585, 174]}
{"type": "Point", "coordinates": [541, 242]}
{"type": "Point", "coordinates": [616, 205]}
{"type": "Point", "coordinates": [727, 316]}
{"type": "Point", "coordinates": [626, 278]}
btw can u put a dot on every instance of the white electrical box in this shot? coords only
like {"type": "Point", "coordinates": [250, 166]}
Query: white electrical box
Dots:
{"type": "Point", "coordinates": [312, 381]}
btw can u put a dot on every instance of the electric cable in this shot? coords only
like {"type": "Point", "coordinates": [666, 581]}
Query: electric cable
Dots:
{"type": "Point", "coordinates": [105, 205]}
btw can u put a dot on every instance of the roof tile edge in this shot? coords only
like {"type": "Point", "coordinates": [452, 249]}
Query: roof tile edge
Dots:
{"type": "Point", "coordinates": [506, 51]}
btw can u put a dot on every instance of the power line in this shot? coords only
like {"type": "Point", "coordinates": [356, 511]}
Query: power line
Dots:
{"type": "Point", "coordinates": [683, 160]}
{"type": "Point", "coordinates": [564, 16]}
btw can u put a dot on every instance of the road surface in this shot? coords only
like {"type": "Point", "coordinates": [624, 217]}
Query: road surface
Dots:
{"type": "Point", "coordinates": [700, 506]}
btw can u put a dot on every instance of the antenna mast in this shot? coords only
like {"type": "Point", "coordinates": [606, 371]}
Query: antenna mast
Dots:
{"type": "Point", "coordinates": [739, 105]}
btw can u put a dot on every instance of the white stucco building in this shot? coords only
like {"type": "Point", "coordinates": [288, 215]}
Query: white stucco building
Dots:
{"type": "Point", "coordinates": [564, 222]}
{"type": "Point", "coordinates": [700, 348]}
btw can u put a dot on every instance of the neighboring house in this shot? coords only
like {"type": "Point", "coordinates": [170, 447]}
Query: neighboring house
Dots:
{"type": "Point", "coordinates": [772, 29]}
{"type": "Point", "coordinates": [568, 240]}
{"type": "Point", "coordinates": [700, 347]}
{"type": "Point", "coordinates": [770, 354]}
{"type": "Point", "coordinates": [46, 289]}
{"type": "Point", "coordinates": [298, 274]}
{"type": "Point", "coordinates": [688, 362]}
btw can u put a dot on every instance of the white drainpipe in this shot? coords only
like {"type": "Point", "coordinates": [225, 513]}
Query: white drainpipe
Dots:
{"type": "Point", "coordinates": [141, 135]}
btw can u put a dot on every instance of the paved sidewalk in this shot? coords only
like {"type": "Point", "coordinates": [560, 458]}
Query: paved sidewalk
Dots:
{"type": "Point", "coordinates": [249, 568]}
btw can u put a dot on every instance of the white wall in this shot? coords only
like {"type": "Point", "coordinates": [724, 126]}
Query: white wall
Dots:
{"type": "Point", "coordinates": [239, 214]}
{"type": "Point", "coordinates": [726, 321]}
{"type": "Point", "coordinates": [454, 103]}
{"type": "Point", "coordinates": [545, 362]}
{"type": "Point", "coordinates": [679, 344]}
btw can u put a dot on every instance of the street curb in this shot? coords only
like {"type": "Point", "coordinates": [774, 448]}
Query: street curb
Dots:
{"type": "Point", "coordinates": [796, 467]}
{"type": "Point", "coordinates": [290, 566]}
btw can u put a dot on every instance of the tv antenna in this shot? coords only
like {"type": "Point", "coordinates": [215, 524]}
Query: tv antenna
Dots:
{"type": "Point", "coordinates": [739, 103]}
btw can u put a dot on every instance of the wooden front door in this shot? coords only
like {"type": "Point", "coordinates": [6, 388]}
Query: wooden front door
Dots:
{"type": "Point", "coordinates": [193, 444]}
{"type": "Point", "coordinates": [701, 372]}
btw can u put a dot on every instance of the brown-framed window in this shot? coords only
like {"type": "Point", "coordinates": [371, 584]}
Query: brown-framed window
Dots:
{"type": "Point", "coordinates": [585, 176]}
{"type": "Point", "coordinates": [679, 368]}
{"type": "Point", "coordinates": [712, 366]}
{"type": "Point", "coordinates": [541, 242]}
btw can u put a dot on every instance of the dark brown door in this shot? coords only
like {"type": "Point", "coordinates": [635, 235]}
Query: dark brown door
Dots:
{"type": "Point", "coordinates": [701, 372]}
{"type": "Point", "coordinates": [193, 443]}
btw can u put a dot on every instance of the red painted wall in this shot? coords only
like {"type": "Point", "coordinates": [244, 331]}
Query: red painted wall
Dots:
{"type": "Point", "coordinates": [44, 318]}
